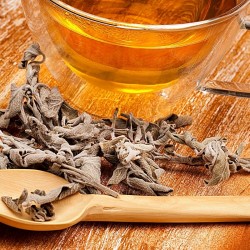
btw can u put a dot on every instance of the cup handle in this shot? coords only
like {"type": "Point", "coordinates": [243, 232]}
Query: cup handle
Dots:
{"type": "Point", "coordinates": [225, 87]}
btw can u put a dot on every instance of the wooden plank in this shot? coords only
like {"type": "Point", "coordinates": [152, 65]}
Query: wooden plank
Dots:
{"type": "Point", "coordinates": [213, 115]}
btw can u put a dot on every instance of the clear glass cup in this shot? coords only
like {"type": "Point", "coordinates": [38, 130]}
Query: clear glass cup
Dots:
{"type": "Point", "coordinates": [98, 60]}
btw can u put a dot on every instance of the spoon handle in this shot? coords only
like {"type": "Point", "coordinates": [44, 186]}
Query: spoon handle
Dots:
{"type": "Point", "coordinates": [169, 209]}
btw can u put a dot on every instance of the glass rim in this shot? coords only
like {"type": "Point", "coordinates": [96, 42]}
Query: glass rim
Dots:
{"type": "Point", "coordinates": [117, 24]}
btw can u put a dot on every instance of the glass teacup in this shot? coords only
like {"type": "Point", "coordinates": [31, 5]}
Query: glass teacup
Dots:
{"type": "Point", "coordinates": [125, 51]}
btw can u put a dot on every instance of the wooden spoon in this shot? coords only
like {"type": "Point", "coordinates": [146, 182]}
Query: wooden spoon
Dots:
{"type": "Point", "coordinates": [125, 208]}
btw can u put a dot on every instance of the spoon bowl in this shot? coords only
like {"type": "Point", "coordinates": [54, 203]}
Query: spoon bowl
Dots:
{"type": "Point", "coordinates": [12, 183]}
{"type": "Point", "coordinates": [125, 208]}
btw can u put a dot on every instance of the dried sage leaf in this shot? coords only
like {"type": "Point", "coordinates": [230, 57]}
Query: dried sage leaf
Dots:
{"type": "Point", "coordinates": [4, 120]}
{"type": "Point", "coordinates": [119, 174]}
{"type": "Point", "coordinates": [178, 121]}
{"type": "Point", "coordinates": [4, 161]}
{"type": "Point", "coordinates": [51, 102]}
{"type": "Point", "coordinates": [11, 204]}
{"type": "Point", "coordinates": [40, 214]}
{"type": "Point", "coordinates": [218, 164]}
{"type": "Point", "coordinates": [16, 101]}
{"type": "Point", "coordinates": [147, 188]}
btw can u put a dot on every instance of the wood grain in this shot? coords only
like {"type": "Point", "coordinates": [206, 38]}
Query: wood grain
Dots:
{"type": "Point", "coordinates": [213, 115]}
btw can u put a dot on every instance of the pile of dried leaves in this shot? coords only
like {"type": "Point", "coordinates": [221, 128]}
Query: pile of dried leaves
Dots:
{"type": "Point", "coordinates": [53, 136]}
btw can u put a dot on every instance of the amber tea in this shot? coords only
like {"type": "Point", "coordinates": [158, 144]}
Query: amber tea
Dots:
{"type": "Point", "coordinates": [154, 11]}
{"type": "Point", "coordinates": [134, 60]}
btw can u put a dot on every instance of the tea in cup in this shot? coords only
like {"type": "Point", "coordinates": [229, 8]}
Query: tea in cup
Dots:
{"type": "Point", "coordinates": [139, 46]}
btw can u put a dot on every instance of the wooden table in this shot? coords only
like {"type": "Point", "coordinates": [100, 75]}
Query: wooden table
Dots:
{"type": "Point", "coordinates": [213, 115]}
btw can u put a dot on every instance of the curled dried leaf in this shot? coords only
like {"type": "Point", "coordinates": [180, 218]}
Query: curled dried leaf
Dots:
{"type": "Point", "coordinates": [51, 102]}
{"type": "Point", "coordinates": [91, 166]}
{"type": "Point", "coordinates": [119, 174]}
{"type": "Point", "coordinates": [126, 153]}
{"type": "Point", "coordinates": [216, 158]}
{"type": "Point", "coordinates": [39, 198]}
{"type": "Point", "coordinates": [147, 188]}
{"type": "Point", "coordinates": [40, 214]}
{"type": "Point", "coordinates": [4, 161]}
{"type": "Point", "coordinates": [11, 204]}
{"type": "Point", "coordinates": [4, 120]}
{"type": "Point", "coordinates": [25, 158]}
{"type": "Point", "coordinates": [178, 120]}
{"type": "Point", "coordinates": [108, 147]}
{"type": "Point", "coordinates": [30, 55]}
{"type": "Point", "coordinates": [16, 101]}
{"type": "Point", "coordinates": [81, 131]}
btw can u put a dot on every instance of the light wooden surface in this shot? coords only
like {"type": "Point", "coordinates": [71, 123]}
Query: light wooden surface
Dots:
{"type": "Point", "coordinates": [213, 115]}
